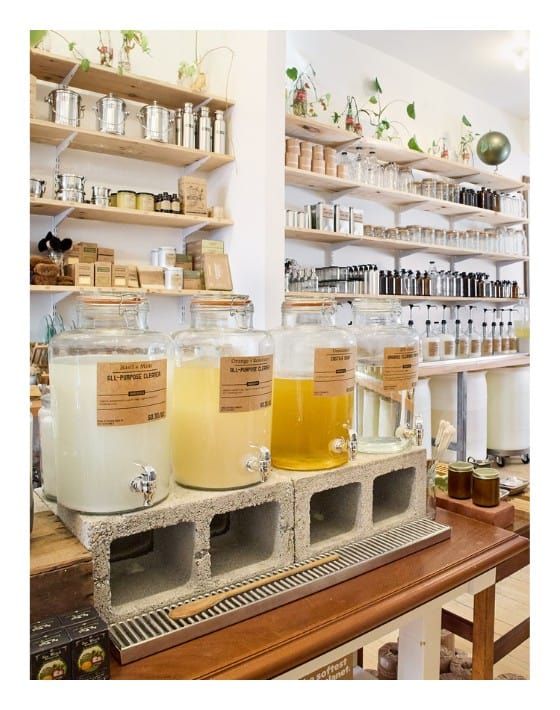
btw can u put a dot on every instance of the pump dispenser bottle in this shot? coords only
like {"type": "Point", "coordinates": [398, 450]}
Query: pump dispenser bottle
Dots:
{"type": "Point", "coordinates": [447, 340]}
{"type": "Point", "coordinates": [511, 333]}
{"type": "Point", "coordinates": [496, 339]}
{"type": "Point", "coordinates": [475, 339]}
{"type": "Point", "coordinates": [504, 336]}
{"type": "Point", "coordinates": [431, 348]}
{"type": "Point", "coordinates": [487, 343]}
{"type": "Point", "coordinates": [462, 342]}
{"type": "Point", "coordinates": [413, 329]}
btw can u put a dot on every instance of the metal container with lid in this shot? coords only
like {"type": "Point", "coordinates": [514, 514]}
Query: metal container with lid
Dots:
{"type": "Point", "coordinates": [100, 195]}
{"type": "Point", "coordinates": [69, 181]}
{"type": "Point", "coordinates": [111, 114]}
{"type": "Point", "coordinates": [459, 476]}
{"type": "Point", "coordinates": [189, 127]}
{"type": "Point", "coordinates": [219, 133]}
{"type": "Point", "coordinates": [36, 187]}
{"type": "Point", "coordinates": [179, 113]}
{"type": "Point", "coordinates": [109, 396]}
{"type": "Point", "coordinates": [204, 129]}
{"type": "Point", "coordinates": [145, 201]}
{"type": "Point", "coordinates": [65, 106]}
{"type": "Point", "coordinates": [126, 199]}
{"type": "Point", "coordinates": [222, 403]}
{"type": "Point", "coordinates": [486, 487]}
{"type": "Point", "coordinates": [156, 122]}
{"type": "Point", "coordinates": [313, 386]}
{"type": "Point", "coordinates": [70, 195]}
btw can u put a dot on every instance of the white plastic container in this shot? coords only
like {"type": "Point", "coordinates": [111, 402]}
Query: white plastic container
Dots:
{"type": "Point", "coordinates": [423, 407]}
{"type": "Point", "coordinates": [443, 389]}
{"type": "Point", "coordinates": [508, 409]}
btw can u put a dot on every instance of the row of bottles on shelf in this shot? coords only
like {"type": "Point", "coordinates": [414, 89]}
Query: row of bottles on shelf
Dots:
{"type": "Point", "coordinates": [442, 343]}
{"type": "Point", "coordinates": [367, 279]}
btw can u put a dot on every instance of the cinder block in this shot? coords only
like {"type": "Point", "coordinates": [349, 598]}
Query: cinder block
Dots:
{"type": "Point", "coordinates": [176, 555]}
{"type": "Point", "coordinates": [370, 494]}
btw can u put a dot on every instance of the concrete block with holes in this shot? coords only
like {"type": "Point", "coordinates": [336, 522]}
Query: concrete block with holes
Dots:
{"type": "Point", "coordinates": [190, 543]}
{"type": "Point", "coordinates": [370, 494]}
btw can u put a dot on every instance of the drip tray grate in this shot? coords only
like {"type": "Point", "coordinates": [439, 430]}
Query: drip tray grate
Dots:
{"type": "Point", "coordinates": [154, 631]}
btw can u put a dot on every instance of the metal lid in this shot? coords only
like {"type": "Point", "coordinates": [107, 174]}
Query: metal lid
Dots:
{"type": "Point", "coordinates": [461, 467]}
{"type": "Point", "coordinates": [485, 473]}
{"type": "Point", "coordinates": [125, 192]}
{"type": "Point", "coordinates": [302, 300]}
{"type": "Point", "coordinates": [221, 300]}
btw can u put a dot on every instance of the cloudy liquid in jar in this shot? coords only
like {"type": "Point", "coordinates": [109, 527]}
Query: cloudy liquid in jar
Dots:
{"type": "Point", "coordinates": [304, 425]}
{"type": "Point", "coordinates": [211, 448]}
{"type": "Point", "coordinates": [379, 413]}
{"type": "Point", "coordinates": [95, 464]}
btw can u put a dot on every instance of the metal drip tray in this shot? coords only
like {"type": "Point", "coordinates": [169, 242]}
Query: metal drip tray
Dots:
{"type": "Point", "coordinates": [154, 631]}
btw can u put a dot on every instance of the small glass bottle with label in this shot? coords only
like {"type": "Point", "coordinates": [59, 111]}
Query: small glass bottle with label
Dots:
{"type": "Point", "coordinates": [475, 339]}
{"type": "Point", "coordinates": [462, 342]}
{"type": "Point", "coordinates": [386, 374]}
{"type": "Point", "coordinates": [431, 346]}
{"type": "Point", "coordinates": [487, 341]}
{"type": "Point", "coordinates": [496, 337]}
{"type": "Point", "coordinates": [109, 398]}
{"type": "Point", "coordinates": [313, 389]}
{"type": "Point", "coordinates": [222, 396]}
{"type": "Point", "coordinates": [447, 340]}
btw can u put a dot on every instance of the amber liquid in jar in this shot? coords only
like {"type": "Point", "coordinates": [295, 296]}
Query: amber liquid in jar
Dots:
{"type": "Point", "coordinates": [305, 425]}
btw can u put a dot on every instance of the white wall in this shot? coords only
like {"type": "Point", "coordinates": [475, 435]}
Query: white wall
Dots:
{"type": "Point", "coordinates": [347, 67]}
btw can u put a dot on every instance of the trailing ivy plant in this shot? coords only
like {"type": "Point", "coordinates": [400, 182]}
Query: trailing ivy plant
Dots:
{"type": "Point", "coordinates": [381, 122]}
{"type": "Point", "coordinates": [37, 36]}
{"type": "Point", "coordinates": [467, 139]}
{"type": "Point", "coordinates": [302, 82]}
{"type": "Point", "coordinates": [130, 40]}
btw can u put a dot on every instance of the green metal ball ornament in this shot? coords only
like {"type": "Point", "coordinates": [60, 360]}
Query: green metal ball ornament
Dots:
{"type": "Point", "coordinates": [493, 148]}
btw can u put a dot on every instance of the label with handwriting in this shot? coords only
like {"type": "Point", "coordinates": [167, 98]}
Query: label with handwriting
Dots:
{"type": "Point", "coordinates": [334, 371]}
{"type": "Point", "coordinates": [400, 368]}
{"type": "Point", "coordinates": [245, 383]}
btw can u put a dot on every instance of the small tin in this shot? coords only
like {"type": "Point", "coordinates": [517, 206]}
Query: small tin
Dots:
{"type": "Point", "coordinates": [166, 256]}
{"type": "Point", "coordinates": [486, 487]}
{"type": "Point", "coordinates": [90, 650]}
{"type": "Point", "coordinates": [459, 477]}
{"type": "Point", "coordinates": [51, 656]}
{"type": "Point", "coordinates": [174, 278]}
{"type": "Point", "coordinates": [45, 626]}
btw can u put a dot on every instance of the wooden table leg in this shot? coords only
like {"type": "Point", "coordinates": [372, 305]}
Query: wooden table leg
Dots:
{"type": "Point", "coordinates": [483, 634]}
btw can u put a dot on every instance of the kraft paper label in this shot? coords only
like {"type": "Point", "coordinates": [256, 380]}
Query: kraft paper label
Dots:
{"type": "Point", "coordinates": [131, 392]}
{"type": "Point", "coordinates": [245, 383]}
{"type": "Point", "coordinates": [475, 347]}
{"type": "Point", "coordinates": [400, 368]}
{"type": "Point", "coordinates": [448, 347]}
{"type": "Point", "coordinates": [334, 371]}
{"type": "Point", "coordinates": [337, 670]}
{"type": "Point", "coordinates": [433, 348]}
{"type": "Point", "coordinates": [461, 348]}
{"type": "Point", "coordinates": [487, 347]}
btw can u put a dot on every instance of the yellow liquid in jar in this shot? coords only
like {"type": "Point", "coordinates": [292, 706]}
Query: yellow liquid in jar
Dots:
{"type": "Point", "coordinates": [303, 426]}
{"type": "Point", "coordinates": [210, 449]}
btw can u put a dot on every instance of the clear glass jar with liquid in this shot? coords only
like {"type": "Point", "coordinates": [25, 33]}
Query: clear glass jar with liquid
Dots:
{"type": "Point", "coordinates": [222, 396]}
{"type": "Point", "coordinates": [46, 438]}
{"type": "Point", "coordinates": [386, 374]}
{"type": "Point", "coordinates": [313, 389]}
{"type": "Point", "coordinates": [110, 382]}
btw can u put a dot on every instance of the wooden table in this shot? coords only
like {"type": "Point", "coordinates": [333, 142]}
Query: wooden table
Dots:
{"type": "Point", "coordinates": [408, 594]}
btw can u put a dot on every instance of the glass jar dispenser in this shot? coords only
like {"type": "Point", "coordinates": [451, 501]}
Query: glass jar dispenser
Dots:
{"type": "Point", "coordinates": [109, 388]}
{"type": "Point", "coordinates": [313, 389]}
{"type": "Point", "coordinates": [386, 373]}
{"type": "Point", "coordinates": [46, 437]}
{"type": "Point", "coordinates": [222, 396]}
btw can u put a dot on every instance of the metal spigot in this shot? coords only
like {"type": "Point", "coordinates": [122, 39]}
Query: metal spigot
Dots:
{"type": "Point", "coordinates": [339, 445]}
{"type": "Point", "coordinates": [145, 483]}
{"type": "Point", "coordinates": [260, 464]}
{"type": "Point", "coordinates": [353, 444]}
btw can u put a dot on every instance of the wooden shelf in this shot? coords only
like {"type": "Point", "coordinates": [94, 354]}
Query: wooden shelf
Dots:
{"type": "Point", "coordinates": [408, 299]}
{"type": "Point", "coordinates": [52, 208]}
{"type": "Point", "coordinates": [54, 68]}
{"type": "Point", "coordinates": [324, 237]}
{"type": "Point", "coordinates": [320, 132]}
{"type": "Point", "coordinates": [447, 367]}
{"type": "Point", "coordinates": [137, 148]}
{"type": "Point", "coordinates": [395, 199]}
{"type": "Point", "coordinates": [105, 289]}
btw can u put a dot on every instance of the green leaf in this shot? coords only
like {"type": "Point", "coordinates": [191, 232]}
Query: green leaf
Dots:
{"type": "Point", "coordinates": [411, 110]}
{"type": "Point", "coordinates": [466, 121]}
{"type": "Point", "coordinates": [413, 145]}
{"type": "Point", "coordinates": [377, 86]}
{"type": "Point", "coordinates": [85, 64]}
{"type": "Point", "coordinates": [385, 124]}
{"type": "Point", "coordinates": [292, 73]}
{"type": "Point", "coordinates": [373, 99]}
{"type": "Point", "coordinates": [336, 117]}
{"type": "Point", "coordinates": [35, 36]}
{"type": "Point", "coordinates": [71, 46]}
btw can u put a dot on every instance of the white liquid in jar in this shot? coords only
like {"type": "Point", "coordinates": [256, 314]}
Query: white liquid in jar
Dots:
{"type": "Point", "coordinates": [95, 464]}
{"type": "Point", "coordinates": [48, 466]}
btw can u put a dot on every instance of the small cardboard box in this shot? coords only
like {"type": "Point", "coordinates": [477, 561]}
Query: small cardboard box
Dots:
{"type": "Point", "coordinates": [196, 247]}
{"type": "Point", "coordinates": [103, 273]}
{"type": "Point", "coordinates": [183, 260]}
{"type": "Point", "coordinates": [120, 275]}
{"type": "Point", "coordinates": [192, 280]}
{"type": "Point", "coordinates": [51, 656]}
{"type": "Point", "coordinates": [81, 274]}
{"type": "Point", "coordinates": [78, 616]}
{"type": "Point", "coordinates": [132, 276]}
{"type": "Point", "coordinates": [217, 275]}
{"type": "Point", "coordinates": [106, 255]}
{"type": "Point", "coordinates": [87, 252]}
{"type": "Point", "coordinates": [151, 276]}
{"type": "Point", "coordinates": [45, 626]}
{"type": "Point", "coordinates": [90, 650]}
{"type": "Point", "coordinates": [193, 194]}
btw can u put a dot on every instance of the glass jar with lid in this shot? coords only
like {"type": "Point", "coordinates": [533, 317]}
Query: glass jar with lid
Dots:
{"type": "Point", "coordinates": [491, 240]}
{"type": "Point", "coordinates": [379, 233]}
{"type": "Point", "coordinates": [222, 396]}
{"type": "Point", "coordinates": [313, 389]}
{"type": "Point", "coordinates": [415, 233]}
{"type": "Point", "coordinates": [386, 374]}
{"type": "Point", "coordinates": [391, 176]}
{"type": "Point", "coordinates": [392, 233]}
{"type": "Point", "coordinates": [403, 234]}
{"type": "Point", "coordinates": [452, 238]}
{"type": "Point", "coordinates": [429, 187]}
{"type": "Point", "coordinates": [427, 235]}
{"type": "Point", "coordinates": [440, 237]}
{"type": "Point", "coordinates": [109, 393]}
{"type": "Point", "coordinates": [472, 239]}
{"type": "Point", "coordinates": [442, 192]}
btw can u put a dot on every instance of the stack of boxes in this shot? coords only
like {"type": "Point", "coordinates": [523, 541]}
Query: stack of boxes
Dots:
{"type": "Point", "coordinates": [91, 265]}
{"type": "Point", "coordinates": [313, 157]}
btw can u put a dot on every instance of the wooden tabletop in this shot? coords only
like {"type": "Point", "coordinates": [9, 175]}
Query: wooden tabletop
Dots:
{"type": "Point", "coordinates": [274, 642]}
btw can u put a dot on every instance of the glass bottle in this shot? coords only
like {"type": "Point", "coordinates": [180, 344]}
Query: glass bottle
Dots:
{"type": "Point", "coordinates": [431, 346]}
{"type": "Point", "coordinates": [475, 339]}
{"type": "Point", "coordinates": [462, 342]}
{"type": "Point", "coordinates": [390, 176]}
{"type": "Point", "coordinates": [358, 174]}
{"type": "Point", "coordinates": [435, 280]}
{"type": "Point", "coordinates": [46, 437]}
{"type": "Point", "coordinates": [496, 339]}
{"type": "Point", "coordinates": [503, 332]}
{"type": "Point", "coordinates": [386, 373]}
{"type": "Point", "coordinates": [374, 173]}
{"type": "Point", "coordinates": [109, 385]}
{"type": "Point", "coordinates": [512, 337]}
{"type": "Point", "coordinates": [313, 388]}
{"type": "Point", "coordinates": [222, 396]}
{"type": "Point", "coordinates": [447, 340]}
{"type": "Point", "coordinates": [487, 342]}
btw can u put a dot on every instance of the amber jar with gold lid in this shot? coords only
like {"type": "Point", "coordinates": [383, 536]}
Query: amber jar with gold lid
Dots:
{"type": "Point", "coordinates": [486, 487]}
{"type": "Point", "coordinates": [459, 476]}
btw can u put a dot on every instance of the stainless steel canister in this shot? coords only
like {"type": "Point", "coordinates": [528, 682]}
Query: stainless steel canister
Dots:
{"type": "Point", "coordinates": [100, 195]}
{"type": "Point", "coordinates": [65, 107]}
{"type": "Point", "coordinates": [69, 195]}
{"type": "Point", "coordinates": [189, 132]}
{"type": "Point", "coordinates": [204, 130]}
{"type": "Point", "coordinates": [179, 113]}
{"type": "Point", "coordinates": [156, 121]}
{"type": "Point", "coordinates": [219, 138]}
{"type": "Point", "coordinates": [111, 114]}
{"type": "Point", "coordinates": [373, 282]}
{"type": "Point", "coordinates": [36, 187]}
{"type": "Point", "coordinates": [69, 181]}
